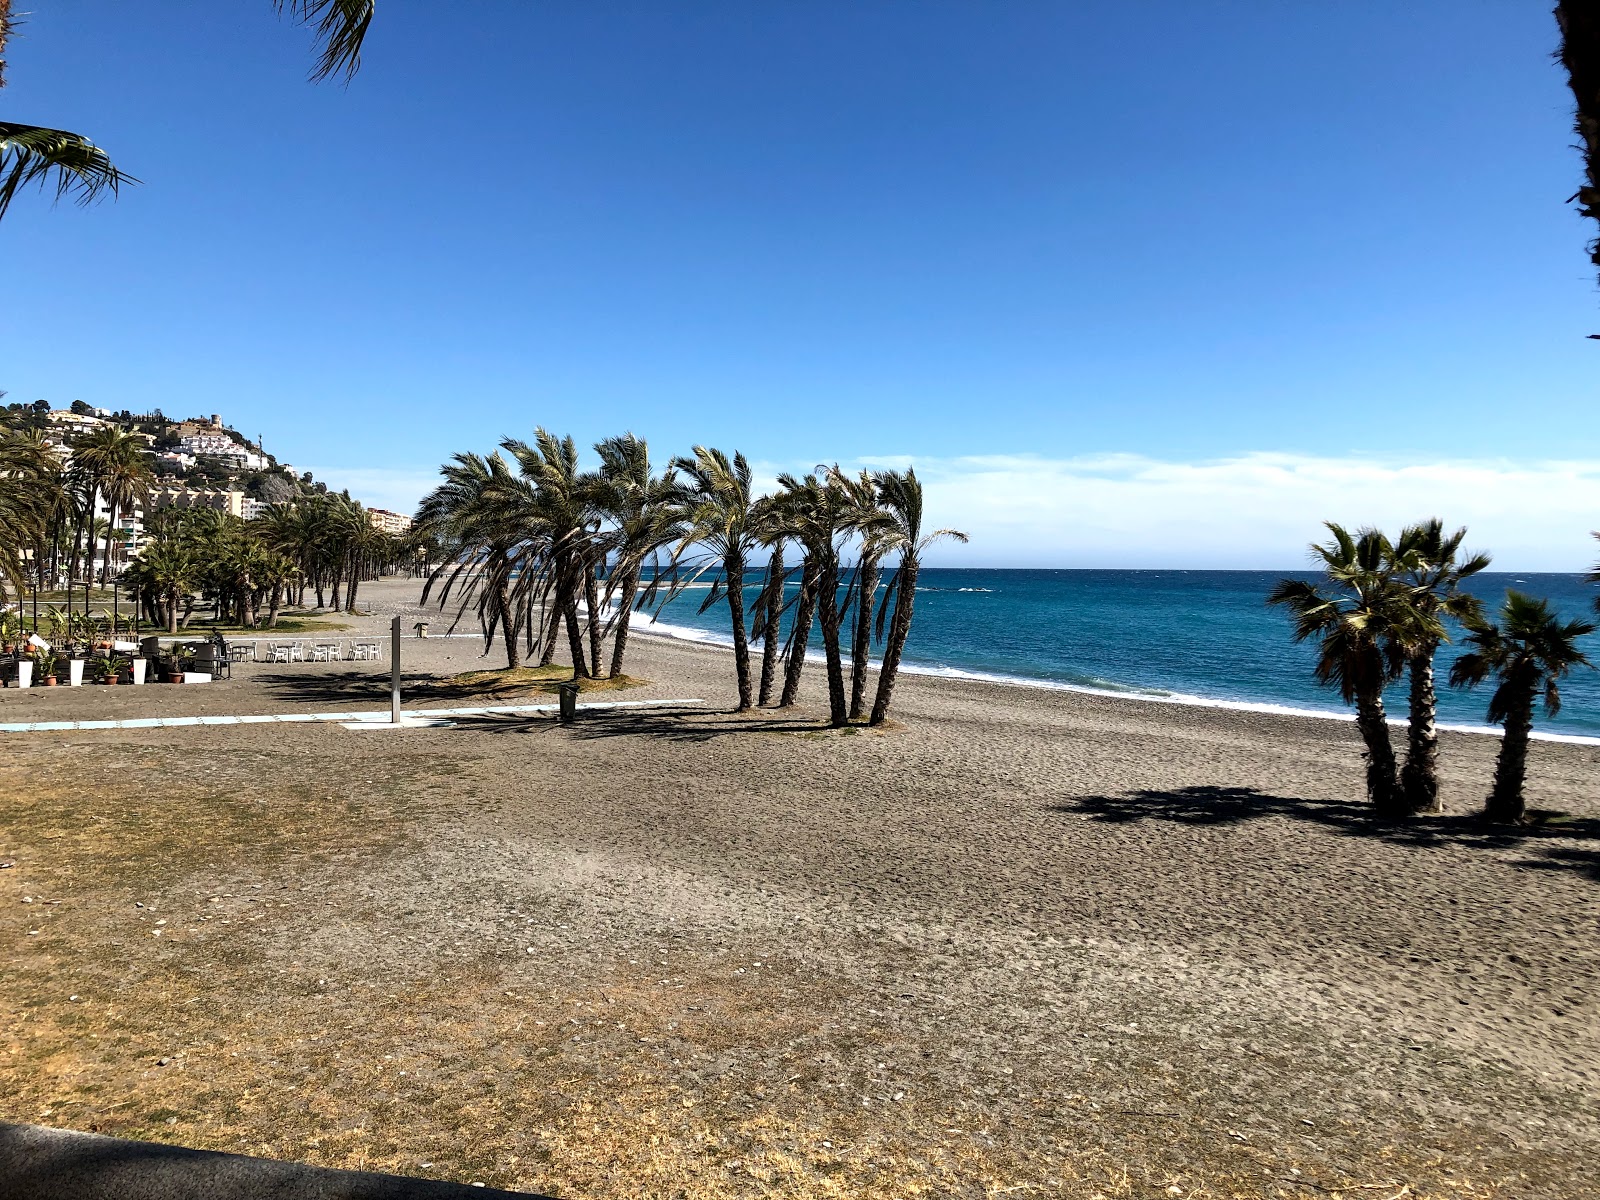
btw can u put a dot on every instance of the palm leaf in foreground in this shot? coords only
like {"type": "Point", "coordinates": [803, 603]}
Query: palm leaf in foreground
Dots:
{"type": "Point", "coordinates": [33, 154]}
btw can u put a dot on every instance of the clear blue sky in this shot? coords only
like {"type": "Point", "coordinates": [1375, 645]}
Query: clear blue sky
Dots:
{"type": "Point", "coordinates": [1182, 232]}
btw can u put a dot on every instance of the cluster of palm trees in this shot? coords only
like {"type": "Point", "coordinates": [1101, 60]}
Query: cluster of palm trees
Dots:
{"type": "Point", "coordinates": [1381, 612]}
{"type": "Point", "coordinates": [536, 547]}
{"type": "Point", "coordinates": [322, 544]}
{"type": "Point", "coordinates": [48, 524]}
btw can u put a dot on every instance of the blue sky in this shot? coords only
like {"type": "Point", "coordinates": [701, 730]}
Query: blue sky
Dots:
{"type": "Point", "coordinates": [1031, 247]}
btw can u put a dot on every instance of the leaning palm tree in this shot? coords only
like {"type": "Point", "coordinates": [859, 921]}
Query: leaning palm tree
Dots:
{"type": "Point", "coordinates": [717, 516]}
{"type": "Point", "coordinates": [1353, 622]}
{"type": "Point", "coordinates": [644, 509]}
{"type": "Point", "coordinates": [817, 513]}
{"type": "Point", "coordinates": [1528, 653]}
{"type": "Point", "coordinates": [1430, 564]}
{"type": "Point", "coordinates": [75, 166]}
{"type": "Point", "coordinates": [467, 514]}
{"type": "Point", "coordinates": [900, 497]}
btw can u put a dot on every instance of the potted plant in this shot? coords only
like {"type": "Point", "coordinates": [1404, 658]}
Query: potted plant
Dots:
{"type": "Point", "coordinates": [115, 667]}
{"type": "Point", "coordinates": [47, 668]}
{"type": "Point", "coordinates": [181, 660]}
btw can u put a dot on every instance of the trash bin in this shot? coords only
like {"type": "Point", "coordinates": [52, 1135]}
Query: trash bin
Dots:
{"type": "Point", "coordinates": [569, 701]}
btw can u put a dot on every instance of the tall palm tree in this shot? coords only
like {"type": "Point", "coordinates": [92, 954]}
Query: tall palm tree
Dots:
{"type": "Point", "coordinates": [1354, 622]}
{"type": "Point", "coordinates": [118, 469]}
{"type": "Point", "coordinates": [29, 494]}
{"type": "Point", "coordinates": [558, 499]}
{"type": "Point", "coordinates": [1430, 564]}
{"type": "Point", "coordinates": [75, 166]}
{"type": "Point", "coordinates": [822, 512]}
{"type": "Point", "coordinates": [467, 515]}
{"type": "Point", "coordinates": [900, 497]}
{"type": "Point", "coordinates": [717, 515]}
{"type": "Point", "coordinates": [875, 529]}
{"type": "Point", "coordinates": [644, 509]}
{"type": "Point", "coordinates": [1528, 652]}
{"type": "Point", "coordinates": [766, 615]}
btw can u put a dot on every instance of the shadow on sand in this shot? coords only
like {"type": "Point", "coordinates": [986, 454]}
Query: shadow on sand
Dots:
{"type": "Point", "coordinates": [685, 724]}
{"type": "Point", "coordinates": [1221, 806]}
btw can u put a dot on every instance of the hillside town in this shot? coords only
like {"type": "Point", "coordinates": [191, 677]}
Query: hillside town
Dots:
{"type": "Point", "coordinates": [195, 463]}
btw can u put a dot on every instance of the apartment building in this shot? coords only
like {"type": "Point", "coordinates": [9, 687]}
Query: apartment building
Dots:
{"type": "Point", "coordinates": [393, 523]}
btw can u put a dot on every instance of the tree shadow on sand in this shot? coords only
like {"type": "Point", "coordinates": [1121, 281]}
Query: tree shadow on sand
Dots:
{"type": "Point", "coordinates": [1222, 806]}
{"type": "Point", "coordinates": [686, 724]}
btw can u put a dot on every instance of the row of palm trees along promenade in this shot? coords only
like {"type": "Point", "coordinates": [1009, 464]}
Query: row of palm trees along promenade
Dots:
{"type": "Point", "coordinates": [537, 547]}
{"type": "Point", "coordinates": [319, 543]}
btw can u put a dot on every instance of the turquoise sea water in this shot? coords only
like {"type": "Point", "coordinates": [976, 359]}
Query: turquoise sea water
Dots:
{"type": "Point", "coordinates": [1188, 636]}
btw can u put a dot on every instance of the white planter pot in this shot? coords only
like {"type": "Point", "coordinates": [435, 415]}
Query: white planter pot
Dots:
{"type": "Point", "coordinates": [138, 672]}
{"type": "Point", "coordinates": [74, 672]}
{"type": "Point", "coordinates": [24, 673]}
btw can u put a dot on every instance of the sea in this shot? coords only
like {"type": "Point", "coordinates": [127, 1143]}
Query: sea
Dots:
{"type": "Point", "coordinates": [1167, 637]}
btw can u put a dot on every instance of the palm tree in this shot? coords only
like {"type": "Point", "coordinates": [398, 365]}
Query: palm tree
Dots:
{"type": "Point", "coordinates": [1429, 563]}
{"type": "Point", "coordinates": [767, 614]}
{"type": "Point", "coordinates": [1594, 577]}
{"type": "Point", "coordinates": [900, 497]}
{"type": "Point", "coordinates": [1528, 653]}
{"type": "Point", "coordinates": [645, 511]}
{"type": "Point", "coordinates": [557, 500]}
{"type": "Point", "coordinates": [875, 528]}
{"type": "Point", "coordinates": [1354, 623]}
{"type": "Point", "coordinates": [31, 154]}
{"type": "Point", "coordinates": [717, 514]}
{"type": "Point", "coordinates": [118, 469]}
{"type": "Point", "coordinates": [170, 569]}
{"type": "Point", "coordinates": [1580, 54]}
{"type": "Point", "coordinates": [29, 491]}
{"type": "Point", "coordinates": [467, 514]}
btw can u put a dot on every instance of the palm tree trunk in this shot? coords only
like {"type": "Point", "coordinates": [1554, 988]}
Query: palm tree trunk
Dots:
{"type": "Point", "coordinates": [1419, 778]}
{"type": "Point", "coordinates": [899, 630]}
{"type": "Point", "coordinates": [512, 635]}
{"type": "Point", "coordinates": [861, 643]}
{"type": "Point", "coordinates": [771, 631]}
{"type": "Point", "coordinates": [591, 599]}
{"type": "Point", "coordinates": [1383, 786]}
{"type": "Point", "coordinates": [172, 611]}
{"type": "Point", "coordinates": [567, 605]}
{"type": "Point", "coordinates": [619, 644]}
{"type": "Point", "coordinates": [111, 529]}
{"type": "Point", "coordinates": [733, 568]}
{"type": "Point", "coordinates": [800, 635]}
{"type": "Point", "coordinates": [828, 603]}
{"type": "Point", "coordinates": [272, 605]}
{"type": "Point", "coordinates": [1506, 805]}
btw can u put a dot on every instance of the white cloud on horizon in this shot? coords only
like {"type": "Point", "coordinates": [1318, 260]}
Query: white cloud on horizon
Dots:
{"type": "Point", "coordinates": [1252, 510]}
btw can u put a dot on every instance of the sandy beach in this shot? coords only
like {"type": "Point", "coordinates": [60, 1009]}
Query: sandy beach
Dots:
{"type": "Point", "coordinates": [1027, 942]}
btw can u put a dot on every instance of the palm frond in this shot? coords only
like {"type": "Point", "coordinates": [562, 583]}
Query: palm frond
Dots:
{"type": "Point", "coordinates": [340, 26]}
{"type": "Point", "coordinates": [33, 154]}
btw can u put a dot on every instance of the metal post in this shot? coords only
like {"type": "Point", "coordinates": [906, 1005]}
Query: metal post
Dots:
{"type": "Point", "coordinates": [394, 671]}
